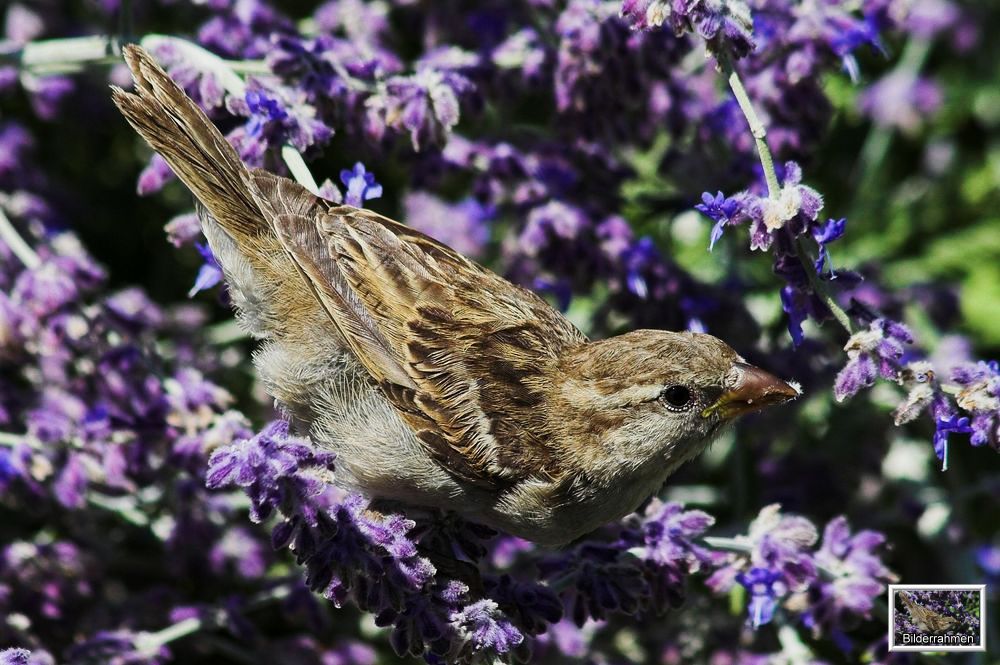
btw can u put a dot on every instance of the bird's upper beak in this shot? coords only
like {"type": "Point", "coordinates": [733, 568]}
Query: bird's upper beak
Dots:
{"type": "Point", "coordinates": [754, 390]}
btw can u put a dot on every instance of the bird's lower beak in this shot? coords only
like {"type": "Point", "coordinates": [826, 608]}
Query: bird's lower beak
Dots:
{"type": "Point", "coordinates": [754, 390]}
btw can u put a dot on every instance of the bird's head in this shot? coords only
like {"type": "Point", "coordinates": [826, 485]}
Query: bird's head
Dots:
{"type": "Point", "coordinates": [660, 397]}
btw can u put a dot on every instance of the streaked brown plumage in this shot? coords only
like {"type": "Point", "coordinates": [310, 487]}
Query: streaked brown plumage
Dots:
{"type": "Point", "coordinates": [926, 620]}
{"type": "Point", "coordinates": [436, 381]}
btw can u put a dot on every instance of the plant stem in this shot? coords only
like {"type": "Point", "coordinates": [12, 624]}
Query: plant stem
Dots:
{"type": "Point", "coordinates": [10, 440]}
{"type": "Point", "coordinates": [297, 167]}
{"type": "Point", "coordinates": [150, 643]}
{"type": "Point", "coordinates": [774, 190]}
{"type": "Point", "coordinates": [757, 128]}
{"type": "Point", "coordinates": [52, 56]}
{"type": "Point", "coordinates": [17, 245]}
{"type": "Point", "coordinates": [821, 289]}
{"type": "Point", "coordinates": [224, 333]}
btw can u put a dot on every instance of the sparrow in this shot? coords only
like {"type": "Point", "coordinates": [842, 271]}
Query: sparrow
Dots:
{"type": "Point", "coordinates": [438, 383]}
{"type": "Point", "coordinates": [927, 621]}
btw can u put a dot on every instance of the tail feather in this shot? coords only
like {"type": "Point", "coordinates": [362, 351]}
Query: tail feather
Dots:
{"type": "Point", "coordinates": [193, 147]}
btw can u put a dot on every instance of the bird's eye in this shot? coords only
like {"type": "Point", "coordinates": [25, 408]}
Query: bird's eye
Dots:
{"type": "Point", "coordinates": [676, 397]}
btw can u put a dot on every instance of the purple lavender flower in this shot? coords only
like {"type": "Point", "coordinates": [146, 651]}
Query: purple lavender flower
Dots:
{"type": "Point", "coordinates": [944, 426]}
{"type": "Point", "coordinates": [779, 561]}
{"type": "Point", "coordinates": [22, 24]}
{"type": "Point", "coordinates": [926, 18]}
{"type": "Point", "coordinates": [721, 210]}
{"type": "Point", "coordinates": [988, 558]}
{"type": "Point", "coordinates": [332, 71]}
{"type": "Point", "coordinates": [426, 105]}
{"type": "Point", "coordinates": [156, 174]}
{"type": "Point", "coordinates": [485, 628]}
{"type": "Point", "coordinates": [824, 235]}
{"type": "Point", "coordinates": [278, 114]}
{"type": "Point", "coordinates": [765, 587]}
{"type": "Point", "coordinates": [350, 554]}
{"type": "Point", "coordinates": [15, 142]}
{"type": "Point", "coordinates": [183, 229]}
{"type": "Point", "coordinates": [242, 28]}
{"type": "Point", "coordinates": [550, 224]}
{"type": "Point", "coordinates": [462, 226]}
{"type": "Point", "coordinates": [277, 473]}
{"type": "Point", "coordinates": [524, 52]}
{"type": "Point", "coordinates": [15, 657]}
{"type": "Point", "coordinates": [532, 607]}
{"type": "Point", "coordinates": [871, 354]}
{"type": "Point", "coordinates": [596, 581]}
{"type": "Point", "coordinates": [202, 86]}
{"type": "Point", "coordinates": [667, 548]}
{"type": "Point", "coordinates": [592, 39]}
{"type": "Point", "coordinates": [854, 574]}
{"type": "Point", "coordinates": [980, 396]}
{"type": "Point", "coordinates": [209, 274]}
{"type": "Point", "coordinates": [777, 223]}
{"type": "Point", "coordinates": [924, 391]}
{"type": "Point", "coordinates": [725, 25]}
{"type": "Point", "coordinates": [359, 21]}
{"type": "Point", "coordinates": [792, 213]}
{"type": "Point", "coordinates": [901, 100]}
{"type": "Point", "coordinates": [360, 184]}
{"type": "Point", "coordinates": [54, 284]}
{"type": "Point", "coordinates": [47, 93]}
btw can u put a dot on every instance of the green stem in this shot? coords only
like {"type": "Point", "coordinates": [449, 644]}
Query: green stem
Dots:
{"type": "Point", "coordinates": [249, 67]}
{"type": "Point", "coordinates": [52, 56]}
{"type": "Point", "coordinates": [17, 245]}
{"type": "Point", "coordinates": [10, 440]}
{"type": "Point", "coordinates": [225, 333]}
{"type": "Point", "coordinates": [150, 643]}
{"type": "Point", "coordinates": [759, 133]}
{"type": "Point", "coordinates": [820, 288]}
{"type": "Point", "coordinates": [757, 128]}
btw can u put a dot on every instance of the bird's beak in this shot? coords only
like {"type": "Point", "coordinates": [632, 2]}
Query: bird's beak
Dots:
{"type": "Point", "coordinates": [754, 390]}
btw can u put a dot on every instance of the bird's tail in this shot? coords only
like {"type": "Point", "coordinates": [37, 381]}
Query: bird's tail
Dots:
{"type": "Point", "coordinates": [196, 151]}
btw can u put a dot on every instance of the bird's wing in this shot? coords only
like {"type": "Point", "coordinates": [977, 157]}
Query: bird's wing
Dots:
{"type": "Point", "coordinates": [292, 211]}
{"type": "Point", "coordinates": [459, 351]}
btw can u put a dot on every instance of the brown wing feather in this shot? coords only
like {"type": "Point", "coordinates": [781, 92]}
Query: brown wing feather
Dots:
{"type": "Point", "coordinates": [466, 356]}
{"type": "Point", "coordinates": [196, 151]}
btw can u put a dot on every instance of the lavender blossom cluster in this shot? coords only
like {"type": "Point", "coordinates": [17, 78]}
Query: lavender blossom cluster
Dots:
{"type": "Point", "coordinates": [550, 140]}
